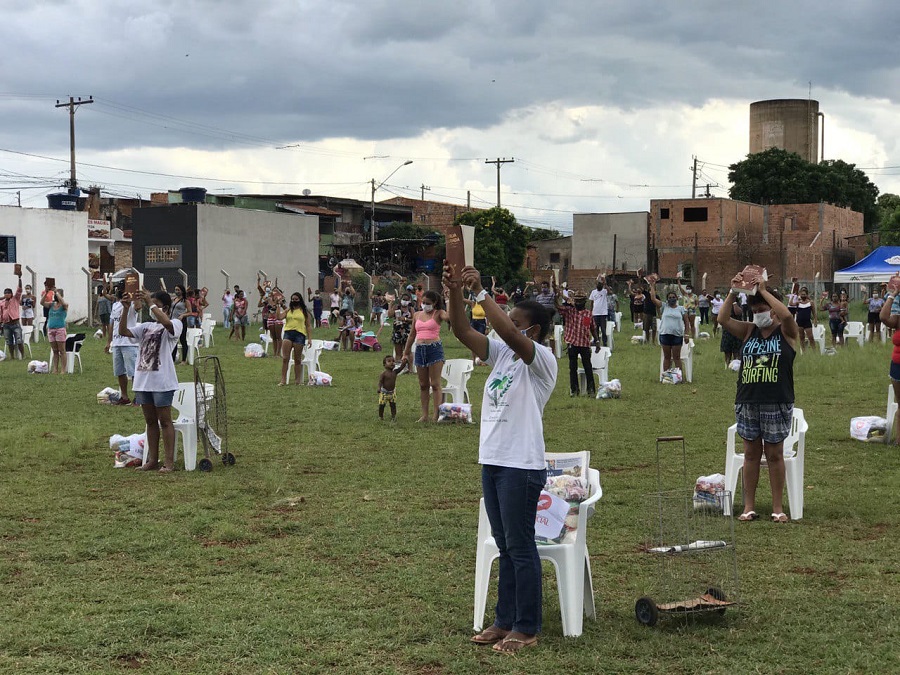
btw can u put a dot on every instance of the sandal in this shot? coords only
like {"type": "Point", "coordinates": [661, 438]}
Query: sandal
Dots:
{"type": "Point", "coordinates": [779, 518]}
{"type": "Point", "coordinates": [512, 645]}
{"type": "Point", "coordinates": [165, 469]}
{"type": "Point", "coordinates": [489, 636]}
{"type": "Point", "coordinates": [749, 516]}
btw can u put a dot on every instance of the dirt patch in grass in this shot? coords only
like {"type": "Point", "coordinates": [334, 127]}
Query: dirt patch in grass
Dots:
{"type": "Point", "coordinates": [131, 661]}
{"type": "Point", "coordinates": [834, 575]}
{"type": "Point", "coordinates": [623, 469]}
{"type": "Point", "coordinates": [240, 543]}
{"type": "Point", "coordinates": [872, 533]}
{"type": "Point", "coordinates": [447, 504]}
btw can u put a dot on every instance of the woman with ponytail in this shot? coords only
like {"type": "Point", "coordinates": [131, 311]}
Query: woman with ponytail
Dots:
{"type": "Point", "coordinates": [297, 329]}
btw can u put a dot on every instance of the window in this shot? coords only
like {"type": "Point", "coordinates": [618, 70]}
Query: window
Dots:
{"type": "Point", "coordinates": [696, 214]}
{"type": "Point", "coordinates": [7, 249]}
{"type": "Point", "coordinates": [162, 256]}
{"type": "Point", "coordinates": [554, 258]}
{"type": "Point", "coordinates": [664, 214]}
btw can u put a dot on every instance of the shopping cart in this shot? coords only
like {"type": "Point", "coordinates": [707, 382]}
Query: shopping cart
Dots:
{"type": "Point", "coordinates": [692, 547]}
{"type": "Point", "coordinates": [212, 413]}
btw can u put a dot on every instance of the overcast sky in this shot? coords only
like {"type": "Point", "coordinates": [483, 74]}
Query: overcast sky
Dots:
{"type": "Point", "coordinates": [602, 104]}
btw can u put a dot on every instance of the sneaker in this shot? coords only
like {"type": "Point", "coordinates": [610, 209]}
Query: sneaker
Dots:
{"type": "Point", "coordinates": [573, 394]}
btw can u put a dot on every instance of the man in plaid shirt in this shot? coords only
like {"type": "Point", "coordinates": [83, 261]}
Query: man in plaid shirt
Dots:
{"type": "Point", "coordinates": [579, 331]}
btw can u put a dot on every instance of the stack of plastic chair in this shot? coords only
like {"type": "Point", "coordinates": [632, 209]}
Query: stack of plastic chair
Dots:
{"type": "Point", "coordinates": [794, 455]}
{"type": "Point", "coordinates": [457, 373]}
{"type": "Point", "coordinates": [571, 561]}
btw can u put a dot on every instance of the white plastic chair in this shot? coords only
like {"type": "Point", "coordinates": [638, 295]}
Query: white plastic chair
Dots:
{"type": "Point", "coordinates": [74, 342]}
{"type": "Point", "coordinates": [193, 342]}
{"type": "Point", "coordinates": [818, 333]}
{"type": "Point", "coordinates": [27, 336]}
{"type": "Point", "coordinates": [889, 415]}
{"type": "Point", "coordinates": [39, 322]}
{"type": "Point", "coordinates": [794, 452]}
{"type": "Point", "coordinates": [687, 360]}
{"type": "Point", "coordinates": [855, 330]}
{"type": "Point", "coordinates": [266, 341]}
{"type": "Point", "coordinates": [610, 335]}
{"type": "Point", "coordinates": [571, 560]}
{"type": "Point", "coordinates": [184, 419]}
{"type": "Point", "coordinates": [311, 354]}
{"type": "Point", "coordinates": [558, 340]}
{"type": "Point", "coordinates": [457, 373]}
{"type": "Point", "coordinates": [618, 322]}
{"type": "Point", "coordinates": [600, 366]}
{"type": "Point", "coordinates": [207, 326]}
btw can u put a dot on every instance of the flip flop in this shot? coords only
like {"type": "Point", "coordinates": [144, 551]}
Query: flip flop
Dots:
{"type": "Point", "coordinates": [749, 516]}
{"type": "Point", "coordinates": [519, 645]}
{"type": "Point", "coordinates": [490, 635]}
{"type": "Point", "coordinates": [779, 518]}
{"type": "Point", "coordinates": [166, 469]}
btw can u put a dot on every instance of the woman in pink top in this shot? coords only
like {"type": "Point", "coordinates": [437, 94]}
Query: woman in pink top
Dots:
{"type": "Point", "coordinates": [426, 336]}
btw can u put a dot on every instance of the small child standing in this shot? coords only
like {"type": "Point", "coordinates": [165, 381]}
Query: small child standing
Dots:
{"type": "Point", "coordinates": [387, 384]}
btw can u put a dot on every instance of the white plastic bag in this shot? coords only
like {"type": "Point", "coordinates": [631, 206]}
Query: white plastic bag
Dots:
{"type": "Point", "coordinates": [331, 346]}
{"type": "Point", "coordinates": [98, 334]}
{"type": "Point", "coordinates": [871, 428]}
{"type": "Point", "coordinates": [254, 351]}
{"type": "Point", "coordinates": [735, 365]}
{"type": "Point", "coordinates": [672, 376]}
{"type": "Point", "coordinates": [709, 491]}
{"type": "Point", "coordinates": [108, 395]}
{"type": "Point", "coordinates": [611, 389]}
{"type": "Point", "coordinates": [455, 412]}
{"type": "Point", "coordinates": [637, 339]}
{"type": "Point", "coordinates": [319, 379]}
{"type": "Point", "coordinates": [38, 367]}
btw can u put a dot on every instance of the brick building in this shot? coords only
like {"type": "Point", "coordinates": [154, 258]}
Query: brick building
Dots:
{"type": "Point", "coordinates": [719, 236]}
{"type": "Point", "coordinates": [426, 213]}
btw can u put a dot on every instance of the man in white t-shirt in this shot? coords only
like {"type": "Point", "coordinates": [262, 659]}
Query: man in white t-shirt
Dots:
{"type": "Point", "coordinates": [600, 306]}
{"type": "Point", "coordinates": [124, 350]}
{"type": "Point", "coordinates": [511, 448]}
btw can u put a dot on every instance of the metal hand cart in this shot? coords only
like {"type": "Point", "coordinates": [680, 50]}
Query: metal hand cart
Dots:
{"type": "Point", "coordinates": [211, 412]}
{"type": "Point", "coordinates": [691, 546]}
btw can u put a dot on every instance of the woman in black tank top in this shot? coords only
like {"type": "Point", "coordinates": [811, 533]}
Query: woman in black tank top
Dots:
{"type": "Point", "coordinates": [764, 403]}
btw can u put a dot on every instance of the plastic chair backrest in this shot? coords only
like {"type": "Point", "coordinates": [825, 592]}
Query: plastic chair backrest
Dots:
{"type": "Point", "coordinates": [185, 401]}
{"type": "Point", "coordinates": [74, 342]}
{"type": "Point", "coordinates": [602, 358]}
{"type": "Point", "coordinates": [853, 329]}
{"type": "Point", "coordinates": [456, 369]}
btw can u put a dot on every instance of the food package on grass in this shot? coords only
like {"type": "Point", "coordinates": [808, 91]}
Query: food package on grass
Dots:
{"type": "Point", "coordinates": [869, 428]}
{"type": "Point", "coordinates": [637, 339]}
{"type": "Point", "coordinates": [254, 351]}
{"type": "Point", "coordinates": [639, 325]}
{"type": "Point", "coordinates": [455, 412]}
{"type": "Point", "coordinates": [703, 335]}
{"type": "Point", "coordinates": [611, 389]}
{"type": "Point", "coordinates": [129, 450]}
{"type": "Point", "coordinates": [2, 355]}
{"type": "Point", "coordinates": [709, 492]}
{"type": "Point", "coordinates": [735, 365]}
{"type": "Point", "coordinates": [38, 367]}
{"type": "Point", "coordinates": [109, 395]}
{"type": "Point", "coordinates": [331, 346]}
{"type": "Point", "coordinates": [672, 376]}
{"type": "Point", "coordinates": [319, 379]}
{"type": "Point", "coordinates": [98, 334]}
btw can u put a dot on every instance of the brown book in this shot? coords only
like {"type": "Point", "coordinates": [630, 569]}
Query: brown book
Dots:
{"type": "Point", "coordinates": [132, 284]}
{"type": "Point", "coordinates": [651, 278]}
{"type": "Point", "coordinates": [746, 286]}
{"type": "Point", "coordinates": [49, 282]}
{"type": "Point", "coordinates": [458, 253]}
{"type": "Point", "coordinates": [17, 269]}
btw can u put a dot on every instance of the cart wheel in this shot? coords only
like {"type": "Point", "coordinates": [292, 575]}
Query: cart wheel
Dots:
{"type": "Point", "coordinates": [646, 612]}
{"type": "Point", "coordinates": [228, 459]}
{"type": "Point", "coordinates": [718, 595]}
{"type": "Point", "coordinates": [205, 465]}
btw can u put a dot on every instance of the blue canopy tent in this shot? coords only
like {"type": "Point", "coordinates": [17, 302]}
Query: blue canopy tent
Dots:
{"type": "Point", "coordinates": [879, 266]}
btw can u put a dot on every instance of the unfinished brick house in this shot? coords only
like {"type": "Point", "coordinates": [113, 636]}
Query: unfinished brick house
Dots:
{"type": "Point", "coordinates": [426, 213]}
{"type": "Point", "coordinates": [719, 236]}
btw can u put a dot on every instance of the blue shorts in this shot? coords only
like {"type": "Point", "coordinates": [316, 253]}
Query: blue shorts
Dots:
{"type": "Point", "coordinates": [772, 421]}
{"type": "Point", "coordinates": [836, 327]}
{"type": "Point", "coordinates": [241, 320]}
{"type": "Point", "coordinates": [895, 371]}
{"type": "Point", "coordinates": [428, 355]}
{"type": "Point", "coordinates": [480, 325]}
{"type": "Point", "coordinates": [668, 340]}
{"type": "Point", "coordinates": [160, 399]}
{"type": "Point", "coordinates": [294, 336]}
{"type": "Point", "coordinates": [123, 361]}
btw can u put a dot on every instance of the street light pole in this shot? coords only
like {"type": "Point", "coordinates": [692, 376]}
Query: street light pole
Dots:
{"type": "Point", "coordinates": [372, 236]}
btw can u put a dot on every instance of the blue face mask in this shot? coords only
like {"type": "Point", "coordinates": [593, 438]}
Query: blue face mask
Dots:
{"type": "Point", "coordinates": [672, 302]}
{"type": "Point", "coordinates": [524, 331]}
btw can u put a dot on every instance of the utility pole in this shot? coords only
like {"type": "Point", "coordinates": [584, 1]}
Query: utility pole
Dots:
{"type": "Point", "coordinates": [19, 197]}
{"type": "Point", "coordinates": [694, 179]}
{"type": "Point", "coordinates": [72, 105]}
{"type": "Point", "coordinates": [423, 188]}
{"type": "Point", "coordinates": [499, 162]}
{"type": "Point", "coordinates": [468, 200]}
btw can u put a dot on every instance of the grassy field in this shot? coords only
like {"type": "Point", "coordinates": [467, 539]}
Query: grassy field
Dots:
{"type": "Point", "coordinates": [338, 544]}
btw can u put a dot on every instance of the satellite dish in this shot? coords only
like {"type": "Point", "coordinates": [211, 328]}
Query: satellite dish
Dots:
{"type": "Point", "coordinates": [307, 192]}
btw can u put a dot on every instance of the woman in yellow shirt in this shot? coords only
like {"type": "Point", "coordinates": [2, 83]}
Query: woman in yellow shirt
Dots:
{"type": "Point", "coordinates": [478, 322]}
{"type": "Point", "coordinates": [297, 329]}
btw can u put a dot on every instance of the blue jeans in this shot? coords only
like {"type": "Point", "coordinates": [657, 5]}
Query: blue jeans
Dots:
{"type": "Point", "coordinates": [510, 499]}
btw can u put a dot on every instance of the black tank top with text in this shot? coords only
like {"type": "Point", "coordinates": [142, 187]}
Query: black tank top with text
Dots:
{"type": "Point", "coordinates": [767, 369]}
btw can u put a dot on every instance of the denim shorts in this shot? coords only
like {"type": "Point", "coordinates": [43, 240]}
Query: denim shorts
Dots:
{"type": "Point", "coordinates": [428, 355]}
{"type": "Point", "coordinates": [895, 371]}
{"type": "Point", "coordinates": [294, 336]}
{"type": "Point", "coordinates": [772, 421]}
{"type": "Point", "coordinates": [161, 399]}
{"type": "Point", "coordinates": [669, 340]}
{"type": "Point", "coordinates": [124, 359]}
{"type": "Point", "coordinates": [242, 320]}
{"type": "Point", "coordinates": [480, 325]}
{"type": "Point", "coordinates": [13, 333]}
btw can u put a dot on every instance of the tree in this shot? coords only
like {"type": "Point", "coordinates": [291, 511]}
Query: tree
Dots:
{"type": "Point", "coordinates": [776, 176]}
{"type": "Point", "coordinates": [890, 229]}
{"type": "Point", "coordinates": [887, 204]}
{"type": "Point", "coordinates": [542, 234]}
{"type": "Point", "coordinates": [500, 242]}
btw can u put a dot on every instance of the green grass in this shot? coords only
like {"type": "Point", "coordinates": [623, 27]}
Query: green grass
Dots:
{"type": "Point", "coordinates": [340, 544]}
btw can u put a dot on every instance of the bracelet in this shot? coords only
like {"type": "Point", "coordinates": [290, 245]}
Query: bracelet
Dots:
{"type": "Point", "coordinates": [481, 296]}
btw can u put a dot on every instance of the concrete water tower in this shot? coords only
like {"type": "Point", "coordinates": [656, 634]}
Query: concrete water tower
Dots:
{"type": "Point", "coordinates": [791, 124]}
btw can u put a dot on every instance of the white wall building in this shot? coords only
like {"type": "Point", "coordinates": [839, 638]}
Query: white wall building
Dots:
{"type": "Point", "coordinates": [53, 244]}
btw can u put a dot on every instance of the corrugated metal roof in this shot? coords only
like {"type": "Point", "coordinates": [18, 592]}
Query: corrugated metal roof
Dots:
{"type": "Point", "coordinates": [294, 207]}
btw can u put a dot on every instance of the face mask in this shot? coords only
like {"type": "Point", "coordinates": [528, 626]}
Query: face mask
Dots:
{"type": "Point", "coordinates": [763, 319]}
{"type": "Point", "coordinates": [404, 303]}
{"type": "Point", "coordinates": [688, 290]}
{"type": "Point", "coordinates": [718, 296]}
{"type": "Point", "coordinates": [524, 331]}
{"type": "Point", "coordinates": [426, 307]}
{"type": "Point", "coordinates": [580, 304]}
{"type": "Point", "coordinates": [672, 302]}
